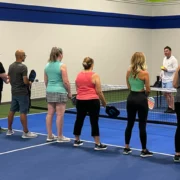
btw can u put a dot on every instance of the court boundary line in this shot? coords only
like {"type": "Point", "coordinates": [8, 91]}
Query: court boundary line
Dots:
{"type": "Point", "coordinates": [27, 115]}
{"type": "Point", "coordinates": [92, 142]}
{"type": "Point", "coordinates": [28, 147]}
{"type": "Point", "coordinates": [32, 114]}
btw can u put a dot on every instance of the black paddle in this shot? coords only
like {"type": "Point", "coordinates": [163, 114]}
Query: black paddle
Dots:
{"type": "Point", "coordinates": [111, 111]}
{"type": "Point", "coordinates": [32, 77]}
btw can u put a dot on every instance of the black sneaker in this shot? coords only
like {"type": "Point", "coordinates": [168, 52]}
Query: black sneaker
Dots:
{"type": "Point", "coordinates": [176, 158]}
{"type": "Point", "coordinates": [146, 153]}
{"type": "Point", "coordinates": [172, 111]}
{"type": "Point", "coordinates": [127, 151]}
{"type": "Point", "coordinates": [78, 143]}
{"type": "Point", "coordinates": [169, 110]}
{"type": "Point", "coordinates": [100, 147]}
{"type": "Point", "coordinates": [166, 110]}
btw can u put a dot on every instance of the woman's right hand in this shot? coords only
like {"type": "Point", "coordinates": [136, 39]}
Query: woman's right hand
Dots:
{"type": "Point", "coordinates": [104, 104]}
{"type": "Point", "coordinates": [69, 95]}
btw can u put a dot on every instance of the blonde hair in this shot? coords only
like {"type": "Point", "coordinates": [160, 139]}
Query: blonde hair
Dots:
{"type": "Point", "coordinates": [138, 63]}
{"type": "Point", "coordinates": [87, 63]}
{"type": "Point", "coordinates": [55, 52]}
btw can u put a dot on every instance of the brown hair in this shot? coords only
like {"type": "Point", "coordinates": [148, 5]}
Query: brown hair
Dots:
{"type": "Point", "coordinates": [55, 52]}
{"type": "Point", "coordinates": [138, 62]}
{"type": "Point", "coordinates": [167, 47]}
{"type": "Point", "coordinates": [87, 63]}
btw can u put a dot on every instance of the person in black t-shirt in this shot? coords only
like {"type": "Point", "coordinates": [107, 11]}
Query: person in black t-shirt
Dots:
{"type": "Point", "coordinates": [3, 78]}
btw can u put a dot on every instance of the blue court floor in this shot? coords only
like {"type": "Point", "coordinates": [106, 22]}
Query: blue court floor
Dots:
{"type": "Point", "coordinates": [35, 159]}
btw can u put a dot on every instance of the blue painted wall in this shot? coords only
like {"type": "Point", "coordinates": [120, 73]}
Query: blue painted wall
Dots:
{"type": "Point", "coordinates": [39, 14]}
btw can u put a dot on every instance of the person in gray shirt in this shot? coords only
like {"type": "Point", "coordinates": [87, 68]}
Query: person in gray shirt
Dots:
{"type": "Point", "coordinates": [176, 84]}
{"type": "Point", "coordinates": [20, 99]}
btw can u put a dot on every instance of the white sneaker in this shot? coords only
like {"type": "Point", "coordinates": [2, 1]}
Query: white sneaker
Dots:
{"type": "Point", "coordinates": [52, 138]}
{"type": "Point", "coordinates": [29, 135]}
{"type": "Point", "coordinates": [9, 132]}
{"type": "Point", "coordinates": [63, 139]}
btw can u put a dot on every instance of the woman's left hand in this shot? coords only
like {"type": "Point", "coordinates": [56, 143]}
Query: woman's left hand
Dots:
{"type": "Point", "coordinates": [69, 95]}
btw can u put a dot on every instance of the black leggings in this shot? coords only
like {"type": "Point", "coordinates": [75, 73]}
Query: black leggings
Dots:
{"type": "Point", "coordinates": [92, 107]}
{"type": "Point", "coordinates": [137, 103]}
{"type": "Point", "coordinates": [0, 96]}
{"type": "Point", "coordinates": [177, 134]}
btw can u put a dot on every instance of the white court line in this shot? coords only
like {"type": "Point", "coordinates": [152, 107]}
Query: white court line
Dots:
{"type": "Point", "coordinates": [33, 114]}
{"type": "Point", "coordinates": [28, 147]}
{"type": "Point", "coordinates": [27, 115]}
{"type": "Point", "coordinates": [92, 142]}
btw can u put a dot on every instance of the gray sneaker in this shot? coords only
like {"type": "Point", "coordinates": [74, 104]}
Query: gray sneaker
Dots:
{"type": "Point", "coordinates": [52, 138]}
{"type": "Point", "coordinates": [29, 135]}
{"type": "Point", "coordinates": [63, 139]}
{"type": "Point", "coordinates": [9, 132]}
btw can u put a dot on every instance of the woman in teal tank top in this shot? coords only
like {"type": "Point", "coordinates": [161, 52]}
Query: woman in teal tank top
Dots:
{"type": "Point", "coordinates": [57, 93]}
{"type": "Point", "coordinates": [137, 79]}
{"type": "Point", "coordinates": [136, 84]}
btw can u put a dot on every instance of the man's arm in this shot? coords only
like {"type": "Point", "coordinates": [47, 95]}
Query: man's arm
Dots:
{"type": "Point", "coordinates": [2, 70]}
{"type": "Point", "coordinates": [175, 66]}
{"type": "Point", "coordinates": [3, 76]}
{"type": "Point", "coordinates": [25, 76]}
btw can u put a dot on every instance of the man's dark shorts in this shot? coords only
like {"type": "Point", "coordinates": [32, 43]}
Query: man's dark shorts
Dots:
{"type": "Point", "coordinates": [20, 104]}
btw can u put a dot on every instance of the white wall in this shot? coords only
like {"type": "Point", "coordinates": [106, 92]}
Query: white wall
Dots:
{"type": "Point", "coordinates": [165, 37]}
{"type": "Point", "coordinates": [166, 10]}
{"type": "Point", "coordinates": [160, 39]}
{"type": "Point", "coordinates": [111, 48]}
{"type": "Point", "coordinates": [93, 5]}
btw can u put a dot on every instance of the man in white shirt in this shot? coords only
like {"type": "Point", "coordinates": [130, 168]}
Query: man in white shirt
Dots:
{"type": "Point", "coordinates": [168, 69]}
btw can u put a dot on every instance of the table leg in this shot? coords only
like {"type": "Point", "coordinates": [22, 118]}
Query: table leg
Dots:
{"type": "Point", "coordinates": [157, 99]}
{"type": "Point", "coordinates": [160, 98]}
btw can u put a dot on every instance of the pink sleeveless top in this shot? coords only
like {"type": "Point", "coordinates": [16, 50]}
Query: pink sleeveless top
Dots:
{"type": "Point", "coordinates": [85, 87]}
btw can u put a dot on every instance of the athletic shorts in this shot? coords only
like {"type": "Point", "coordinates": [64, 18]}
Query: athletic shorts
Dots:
{"type": "Point", "coordinates": [167, 85]}
{"type": "Point", "coordinates": [20, 104]}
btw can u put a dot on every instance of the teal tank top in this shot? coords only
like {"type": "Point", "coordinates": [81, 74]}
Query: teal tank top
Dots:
{"type": "Point", "coordinates": [136, 84]}
{"type": "Point", "coordinates": [55, 82]}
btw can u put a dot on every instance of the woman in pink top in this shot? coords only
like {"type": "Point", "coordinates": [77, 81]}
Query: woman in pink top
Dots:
{"type": "Point", "coordinates": [88, 94]}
